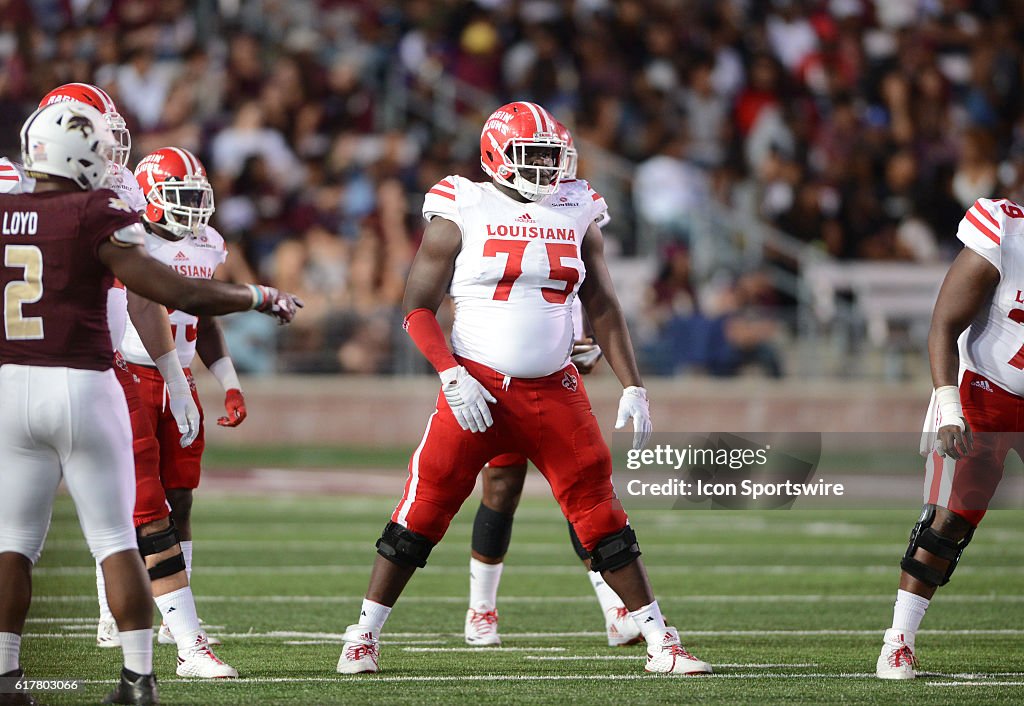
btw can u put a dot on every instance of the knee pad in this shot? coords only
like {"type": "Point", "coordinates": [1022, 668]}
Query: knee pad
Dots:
{"type": "Point", "coordinates": [924, 537]}
{"type": "Point", "coordinates": [577, 545]}
{"type": "Point", "coordinates": [615, 551]}
{"type": "Point", "coordinates": [157, 542]}
{"type": "Point", "coordinates": [402, 546]}
{"type": "Point", "coordinates": [492, 532]}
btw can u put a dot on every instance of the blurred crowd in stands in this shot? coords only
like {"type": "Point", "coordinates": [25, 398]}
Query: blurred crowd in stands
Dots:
{"type": "Point", "coordinates": [861, 128]}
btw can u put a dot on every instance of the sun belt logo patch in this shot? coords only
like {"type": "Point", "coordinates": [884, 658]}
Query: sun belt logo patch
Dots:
{"type": "Point", "coordinates": [569, 381]}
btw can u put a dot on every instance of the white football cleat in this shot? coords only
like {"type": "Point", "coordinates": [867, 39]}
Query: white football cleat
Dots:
{"type": "Point", "coordinates": [670, 657]}
{"type": "Point", "coordinates": [166, 637]}
{"type": "Point", "coordinates": [361, 652]}
{"type": "Point", "coordinates": [622, 629]}
{"type": "Point", "coordinates": [200, 661]}
{"type": "Point", "coordinates": [482, 628]}
{"type": "Point", "coordinates": [107, 634]}
{"type": "Point", "coordinates": [897, 660]}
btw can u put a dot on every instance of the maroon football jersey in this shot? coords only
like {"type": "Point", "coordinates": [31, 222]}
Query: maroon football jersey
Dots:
{"type": "Point", "coordinates": [53, 284]}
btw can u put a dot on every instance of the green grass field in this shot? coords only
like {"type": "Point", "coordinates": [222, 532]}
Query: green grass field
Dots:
{"type": "Point", "coordinates": [787, 606]}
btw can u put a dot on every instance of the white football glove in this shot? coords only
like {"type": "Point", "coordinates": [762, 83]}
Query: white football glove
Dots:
{"type": "Point", "coordinates": [179, 396]}
{"type": "Point", "coordinates": [634, 404]}
{"type": "Point", "coordinates": [185, 413]}
{"type": "Point", "coordinates": [467, 398]}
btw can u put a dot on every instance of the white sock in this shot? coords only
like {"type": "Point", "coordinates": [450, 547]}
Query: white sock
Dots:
{"type": "Point", "coordinates": [373, 615]}
{"type": "Point", "coordinates": [907, 614]}
{"type": "Point", "coordinates": [483, 585]}
{"type": "Point", "coordinates": [179, 611]}
{"type": "Point", "coordinates": [101, 594]}
{"type": "Point", "coordinates": [10, 648]}
{"type": "Point", "coordinates": [607, 597]}
{"type": "Point", "coordinates": [186, 551]}
{"type": "Point", "coordinates": [650, 622]}
{"type": "Point", "coordinates": [137, 646]}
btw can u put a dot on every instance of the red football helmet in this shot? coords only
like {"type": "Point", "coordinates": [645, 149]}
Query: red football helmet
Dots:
{"type": "Point", "coordinates": [101, 101]}
{"type": "Point", "coordinates": [509, 135]}
{"type": "Point", "coordinates": [178, 193]}
{"type": "Point", "coordinates": [572, 157]}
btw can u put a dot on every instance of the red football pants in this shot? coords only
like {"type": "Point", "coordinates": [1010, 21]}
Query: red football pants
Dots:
{"type": "Point", "coordinates": [996, 418]}
{"type": "Point", "coordinates": [160, 462]}
{"type": "Point", "coordinates": [547, 420]}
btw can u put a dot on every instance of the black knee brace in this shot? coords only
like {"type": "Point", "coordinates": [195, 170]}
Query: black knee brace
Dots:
{"type": "Point", "coordinates": [926, 538]}
{"type": "Point", "coordinates": [577, 545]}
{"type": "Point", "coordinates": [492, 532]}
{"type": "Point", "coordinates": [404, 547]}
{"type": "Point", "coordinates": [157, 542]}
{"type": "Point", "coordinates": [615, 551]}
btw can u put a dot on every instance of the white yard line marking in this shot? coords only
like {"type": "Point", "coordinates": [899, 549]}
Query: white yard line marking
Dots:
{"type": "Point", "coordinates": [565, 570]}
{"type": "Point", "coordinates": [640, 656]}
{"type": "Point", "coordinates": [337, 636]}
{"type": "Point", "coordinates": [885, 549]}
{"type": "Point", "coordinates": [717, 598]}
{"type": "Point", "coordinates": [373, 679]}
{"type": "Point", "coordinates": [383, 642]}
{"type": "Point", "coordinates": [483, 650]}
{"type": "Point", "coordinates": [974, 683]}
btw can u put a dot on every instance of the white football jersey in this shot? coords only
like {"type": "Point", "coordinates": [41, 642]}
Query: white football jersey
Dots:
{"type": "Point", "coordinates": [517, 274]}
{"type": "Point", "coordinates": [568, 190]}
{"type": "Point", "coordinates": [993, 345]}
{"type": "Point", "coordinates": [127, 188]}
{"type": "Point", "coordinates": [12, 178]}
{"type": "Point", "coordinates": [194, 256]}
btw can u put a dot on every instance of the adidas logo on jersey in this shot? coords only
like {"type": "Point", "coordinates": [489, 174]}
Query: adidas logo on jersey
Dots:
{"type": "Point", "coordinates": [525, 218]}
{"type": "Point", "coordinates": [180, 257]}
{"type": "Point", "coordinates": [982, 384]}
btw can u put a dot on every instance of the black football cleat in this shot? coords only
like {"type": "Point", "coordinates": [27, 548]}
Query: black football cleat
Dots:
{"type": "Point", "coordinates": [134, 689]}
{"type": "Point", "coordinates": [19, 698]}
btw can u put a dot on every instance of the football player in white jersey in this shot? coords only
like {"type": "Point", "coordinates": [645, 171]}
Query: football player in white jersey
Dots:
{"type": "Point", "coordinates": [975, 416]}
{"type": "Point", "coordinates": [504, 475]}
{"type": "Point", "coordinates": [178, 203]}
{"type": "Point", "coordinates": [513, 263]}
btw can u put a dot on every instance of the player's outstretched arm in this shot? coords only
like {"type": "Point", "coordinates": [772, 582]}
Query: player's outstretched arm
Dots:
{"type": "Point", "coordinates": [153, 280]}
{"type": "Point", "coordinates": [213, 351]}
{"type": "Point", "coordinates": [605, 314]}
{"type": "Point", "coordinates": [154, 329]}
{"type": "Point", "coordinates": [431, 273]}
{"type": "Point", "coordinates": [965, 291]}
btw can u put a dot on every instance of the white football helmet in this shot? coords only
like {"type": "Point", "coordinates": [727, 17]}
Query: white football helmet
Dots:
{"type": "Point", "coordinates": [70, 140]}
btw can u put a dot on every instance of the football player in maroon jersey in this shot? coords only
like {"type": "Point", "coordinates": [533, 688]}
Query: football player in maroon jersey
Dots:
{"type": "Point", "coordinates": [64, 413]}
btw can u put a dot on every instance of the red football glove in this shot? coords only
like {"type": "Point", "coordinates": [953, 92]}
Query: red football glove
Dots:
{"type": "Point", "coordinates": [234, 403]}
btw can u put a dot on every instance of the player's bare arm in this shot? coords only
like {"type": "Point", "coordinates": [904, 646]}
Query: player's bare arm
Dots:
{"type": "Point", "coordinates": [433, 266]}
{"type": "Point", "coordinates": [431, 273]}
{"type": "Point", "coordinates": [154, 329]}
{"type": "Point", "coordinates": [602, 307]}
{"type": "Point", "coordinates": [213, 351]}
{"type": "Point", "coordinates": [152, 280]}
{"type": "Point", "coordinates": [604, 312]}
{"type": "Point", "coordinates": [967, 288]}
{"type": "Point", "coordinates": [150, 320]}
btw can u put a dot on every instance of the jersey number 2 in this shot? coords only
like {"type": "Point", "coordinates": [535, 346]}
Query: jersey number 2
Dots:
{"type": "Point", "coordinates": [514, 268]}
{"type": "Point", "coordinates": [28, 290]}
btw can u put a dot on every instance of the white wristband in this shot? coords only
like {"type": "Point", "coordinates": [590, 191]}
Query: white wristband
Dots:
{"type": "Point", "coordinates": [635, 391]}
{"type": "Point", "coordinates": [224, 371]}
{"type": "Point", "coordinates": [174, 376]}
{"type": "Point", "coordinates": [951, 411]}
